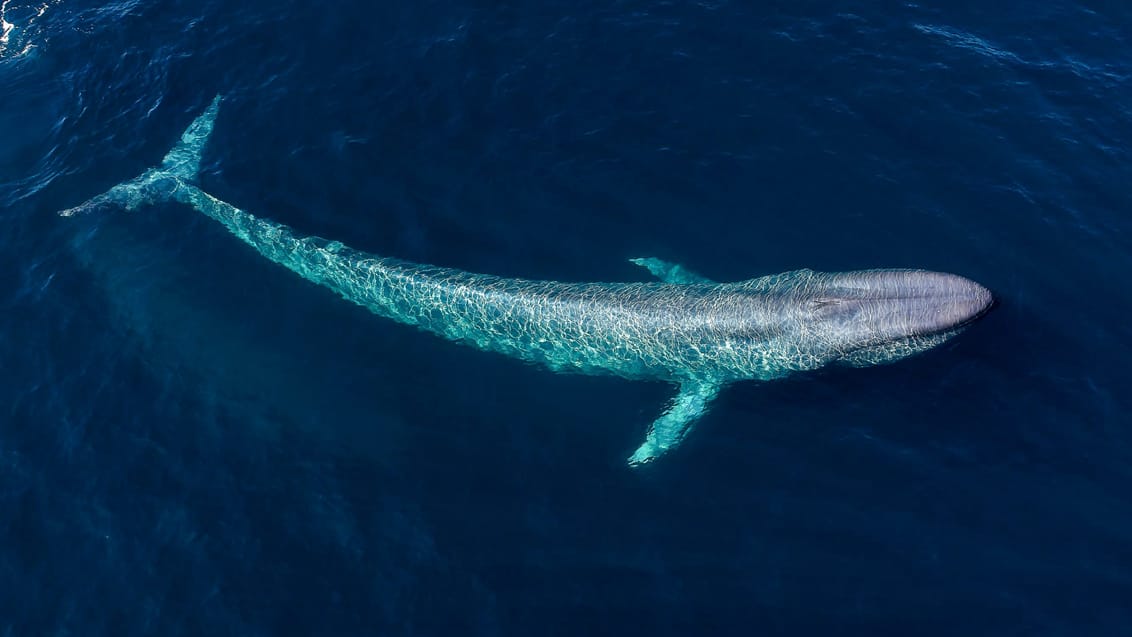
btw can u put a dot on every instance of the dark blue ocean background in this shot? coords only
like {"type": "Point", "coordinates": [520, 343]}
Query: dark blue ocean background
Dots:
{"type": "Point", "coordinates": [194, 441]}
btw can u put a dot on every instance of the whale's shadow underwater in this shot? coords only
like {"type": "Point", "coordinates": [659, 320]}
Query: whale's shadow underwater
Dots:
{"type": "Point", "coordinates": [684, 329]}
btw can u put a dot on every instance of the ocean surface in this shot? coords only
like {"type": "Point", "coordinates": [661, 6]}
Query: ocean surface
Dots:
{"type": "Point", "coordinates": [194, 441]}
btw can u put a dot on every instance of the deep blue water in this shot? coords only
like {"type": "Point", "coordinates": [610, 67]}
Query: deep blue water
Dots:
{"type": "Point", "coordinates": [194, 441]}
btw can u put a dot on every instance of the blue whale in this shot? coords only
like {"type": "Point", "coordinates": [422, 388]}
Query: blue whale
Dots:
{"type": "Point", "coordinates": [684, 329]}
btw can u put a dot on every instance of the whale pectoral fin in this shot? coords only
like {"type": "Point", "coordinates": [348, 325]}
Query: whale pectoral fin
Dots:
{"type": "Point", "coordinates": [674, 424]}
{"type": "Point", "coordinates": [670, 272]}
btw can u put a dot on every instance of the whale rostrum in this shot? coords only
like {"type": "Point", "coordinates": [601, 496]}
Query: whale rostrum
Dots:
{"type": "Point", "coordinates": [683, 329]}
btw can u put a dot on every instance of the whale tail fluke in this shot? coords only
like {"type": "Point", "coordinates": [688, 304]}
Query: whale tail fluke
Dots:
{"type": "Point", "coordinates": [180, 167]}
{"type": "Point", "coordinates": [183, 160]}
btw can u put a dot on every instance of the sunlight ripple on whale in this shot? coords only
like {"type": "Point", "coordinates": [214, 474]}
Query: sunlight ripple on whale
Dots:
{"type": "Point", "coordinates": [688, 330]}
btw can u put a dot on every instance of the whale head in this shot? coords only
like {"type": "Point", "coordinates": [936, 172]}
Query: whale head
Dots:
{"type": "Point", "coordinates": [872, 317]}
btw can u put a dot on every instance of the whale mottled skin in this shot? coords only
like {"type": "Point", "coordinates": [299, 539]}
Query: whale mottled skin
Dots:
{"type": "Point", "coordinates": [685, 329]}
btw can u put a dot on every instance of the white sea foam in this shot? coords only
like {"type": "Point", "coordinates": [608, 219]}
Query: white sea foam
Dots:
{"type": "Point", "coordinates": [5, 26]}
{"type": "Point", "coordinates": [25, 16]}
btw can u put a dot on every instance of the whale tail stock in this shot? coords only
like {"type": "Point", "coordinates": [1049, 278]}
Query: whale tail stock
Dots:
{"type": "Point", "coordinates": [180, 168]}
{"type": "Point", "coordinates": [175, 179]}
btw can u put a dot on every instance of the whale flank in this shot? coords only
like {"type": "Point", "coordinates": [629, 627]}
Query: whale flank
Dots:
{"type": "Point", "coordinates": [683, 329]}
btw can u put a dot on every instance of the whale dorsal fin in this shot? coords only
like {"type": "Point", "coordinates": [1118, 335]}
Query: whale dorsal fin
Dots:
{"type": "Point", "coordinates": [677, 421]}
{"type": "Point", "coordinates": [670, 272]}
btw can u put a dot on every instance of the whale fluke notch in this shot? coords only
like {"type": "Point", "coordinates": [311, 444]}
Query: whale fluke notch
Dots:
{"type": "Point", "coordinates": [180, 167]}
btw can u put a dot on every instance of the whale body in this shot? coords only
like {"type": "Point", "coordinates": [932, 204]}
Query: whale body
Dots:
{"type": "Point", "coordinates": [684, 329]}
